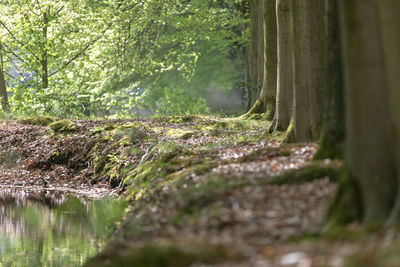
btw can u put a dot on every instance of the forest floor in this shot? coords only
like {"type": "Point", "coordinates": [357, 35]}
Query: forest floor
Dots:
{"type": "Point", "coordinates": [204, 191]}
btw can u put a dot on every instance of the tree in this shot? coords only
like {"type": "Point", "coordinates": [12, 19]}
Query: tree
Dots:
{"type": "Point", "coordinates": [309, 69]}
{"type": "Point", "coordinates": [3, 86]}
{"type": "Point", "coordinates": [333, 128]}
{"type": "Point", "coordinates": [265, 102]}
{"type": "Point", "coordinates": [390, 26]}
{"type": "Point", "coordinates": [254, 53]}
{"type": "Point", "coordinates": [369, 185]}
{"type": "Point", "coordinates": [284, 97]}
{"type": "Point", "coordinates": [78, 56]}
{"type": "Point", "coordinates": [43, 40]}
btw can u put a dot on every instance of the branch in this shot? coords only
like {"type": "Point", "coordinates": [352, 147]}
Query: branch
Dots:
{"type": "Point", "coordinates": [15, 38]}
{"type": "Point", "coordinates": [8, 50]}
{"type": "Point", "coordinates": [37, 15]}
{"type": "Point", "coordinates": [12, 77]}
{"type": "Point", "coordinates": [86, 47]}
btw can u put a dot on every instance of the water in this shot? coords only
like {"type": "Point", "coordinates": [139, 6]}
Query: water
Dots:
{"type": "Point", "coordinates": [42, 228]}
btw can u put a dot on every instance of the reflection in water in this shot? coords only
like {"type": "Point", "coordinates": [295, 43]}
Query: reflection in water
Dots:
{"type": "Point", "coordinates": [53, 229]}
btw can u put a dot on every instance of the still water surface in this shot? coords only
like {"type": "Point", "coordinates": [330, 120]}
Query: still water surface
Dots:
{"type": "Point", "coordinates": [44, 228]}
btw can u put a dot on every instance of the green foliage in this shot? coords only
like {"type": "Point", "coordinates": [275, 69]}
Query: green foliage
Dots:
{"type": "Point", "coordinates": [120, 58]}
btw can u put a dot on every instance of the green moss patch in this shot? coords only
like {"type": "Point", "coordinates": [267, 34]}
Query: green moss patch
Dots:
{"type": "Point", "coordinates": [63, 126]}
{"type": "Point", "coordinates": [40, 121]}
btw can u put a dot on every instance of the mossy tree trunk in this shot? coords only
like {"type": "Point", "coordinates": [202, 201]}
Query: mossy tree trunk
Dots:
{"type": "Point", "coordinates": [332, 135]}
{"type": "Point", "coordinates": [3, 86]}
{"type": "Point", "coordinates": [284, 98]}
{"type": "Point", "coordinates": [309, 68]}
{"type": "Point", "coordinates": [268, 71]}
{"type": "Point", "coordinates": [389, 11]}
{"type": "Point", "coordinates": [370, 146]}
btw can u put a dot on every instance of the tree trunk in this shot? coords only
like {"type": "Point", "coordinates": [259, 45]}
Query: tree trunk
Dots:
{"type": "Point", "coordinates": [309, 68]}
{"type": "Point", "coordinates": [284, 98]}
{"type": "Point", "coordinates": [253, 54]}
{"type": "Point", "coordinates": [389, 11]}
{"type": "Point", "coordinates": [332, 136]}
{"type": "Point", "coordinates": [3, 87]}
{"type": "Point", "coordinates": [44, 59]}
{"type": "Point", "coordinates": [270, 57]}
{"type": "Point", "coordinates": [260, 45]}
{"type": "Point", "coordinates": [369, 152]}
{"type": "Point", "coordinates": [266, 100]}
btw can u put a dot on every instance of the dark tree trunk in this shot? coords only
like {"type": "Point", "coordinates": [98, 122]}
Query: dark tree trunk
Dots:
{"type": "Point", "coordinates": [389, 11]}
{"type": "Point", "coordinates": [332, 136]}
{"type": "Point", "coordinates": [3, 86]}
{"type": "Point", "coordinates": [370, 147]}
{"type": "Point", "coordinates": [44, 57]}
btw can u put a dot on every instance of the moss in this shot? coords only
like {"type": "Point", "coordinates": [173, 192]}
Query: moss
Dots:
{"type": "Point", "coordinates": [99, 163]}
{"type": "Point", "coordinates": [330, 147]}
{"type": "Point", "coordinates": [365, 260]}
{"type": "Point", "coordinates": [255, 117]}
{"type": "Point", "coordinates": [131, 135]}
{"type": "Point", "coordinates": [309, 173]}
{"type": "Point", "coordinates": [346, 206]}
{"type": "Point", "coordinates": [125, 141]}
{"type": "Point", "coordinates": [168, 150]}
{"type": "Point", "coordinates": [316, 132]}
{"type": "Point", "coordinates": [63, 126]}
{"type": "Point", "coordinates": [177, 119]}
{"type": "Point", "coordinates": [187, 135]}
{"type": "Point", "coordinates": [163, 253]}
{"type": "Point", "coordinates": [258, 108]}
{"type": "Point", "coordinates": [106, 128]}
{"type": "Point", "coordinates": [290, 135]}
{"type": "Point", "coordinates": [204, 167]}
{"type": "Point", "coordinates": [269, 151]}
{"type": "Point", "coordinates": [221, 125]}
{"type": "Point", "coordinates": [41, 121]}
{"type": "Point", "coordinates": [270, 108]}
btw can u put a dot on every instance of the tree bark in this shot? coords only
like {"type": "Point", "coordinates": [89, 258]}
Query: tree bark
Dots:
{"type": "Point", "coordinates": [309, 68]}
{"type": "Point", "coordinates": [332, 136]}
{"type": "Point", "coordinates": [270, 57]}
{"type": "Point", "coordinates": [369, 152]}
{"type": "Point", "coordinates": [266, 100]}
{"type": "Point", "coordinates": [389, 11]}
{"type": "Point", "coordinates": [253, 54]}
{"type": "Point", "coordinates": [44, 56]}
{"type": "Point", "coordinates": [260, 45]}
{"type": "Point", "coordinates": [284, 98]}
{"type": "Point", "coordinates": [3, 86]}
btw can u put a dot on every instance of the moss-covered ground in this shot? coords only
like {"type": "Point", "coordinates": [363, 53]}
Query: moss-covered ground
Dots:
{"type": "Point", "coordinates": [204, 191]}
